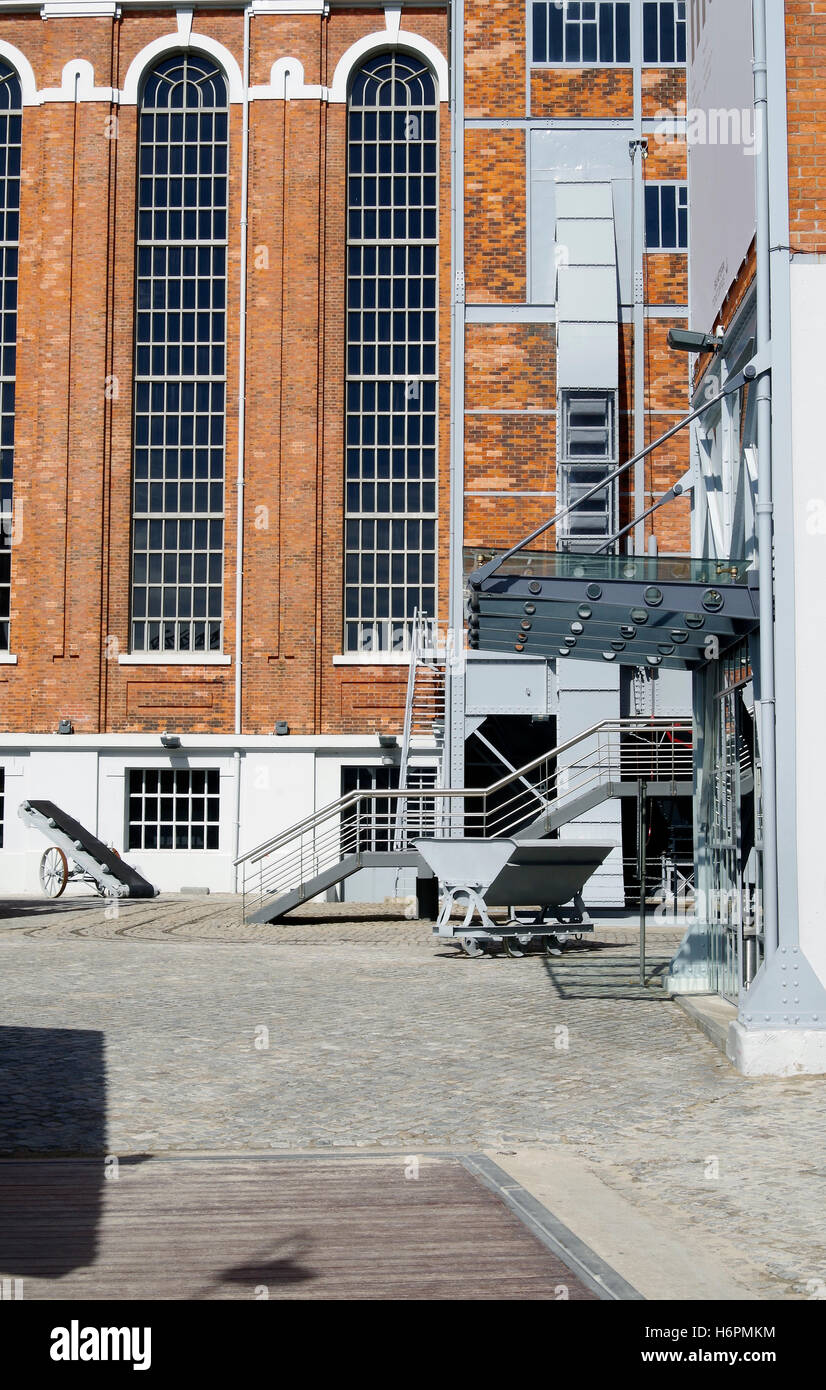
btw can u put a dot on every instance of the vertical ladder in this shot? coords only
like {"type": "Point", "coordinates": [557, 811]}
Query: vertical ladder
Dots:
{"type": "Point", "coordinates": [425, 706]}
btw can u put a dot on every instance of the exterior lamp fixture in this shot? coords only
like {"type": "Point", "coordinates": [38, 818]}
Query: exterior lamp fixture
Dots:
{"type": "Point", "coordinates": [684, 340]}
{"type": "Point", "coordinates": [170, 740]}
{"type": "Point", "coordinates": [65, 726]}
{"type": "Point", "coordinates": [281, 728]}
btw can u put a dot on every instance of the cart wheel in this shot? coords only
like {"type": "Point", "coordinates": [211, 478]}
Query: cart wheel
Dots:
{"type": "Point", "coordinates": [54, 872]}
{"type": "Point", "coordinates": [511, 950]}
{"type": "Point", "coordinates": [470, 946]}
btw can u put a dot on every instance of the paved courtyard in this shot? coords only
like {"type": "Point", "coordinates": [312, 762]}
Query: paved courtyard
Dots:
{"type": "Point", "coordinates": [173, 1028]}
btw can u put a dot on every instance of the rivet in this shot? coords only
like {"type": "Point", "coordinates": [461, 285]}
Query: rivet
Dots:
{"type": "Point", "coordinates": [535, 587]}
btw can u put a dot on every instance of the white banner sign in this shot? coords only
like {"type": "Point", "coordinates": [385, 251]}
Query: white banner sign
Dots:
{"type": "Point", "coordinates": [720, 128]}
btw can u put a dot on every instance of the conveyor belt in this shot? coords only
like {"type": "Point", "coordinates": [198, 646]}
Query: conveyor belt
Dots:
{"type": "Point", "coordinates": [92, 854]}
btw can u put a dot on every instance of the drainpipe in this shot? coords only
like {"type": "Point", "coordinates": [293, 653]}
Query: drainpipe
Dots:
{"type": "Point", "coordinates": [765, 499]}
{"type": "Point", "coordinates": [242, 392]}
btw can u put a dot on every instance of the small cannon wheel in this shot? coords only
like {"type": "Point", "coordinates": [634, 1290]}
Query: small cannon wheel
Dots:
{"type": "Point", "coordinates": [54, 872]}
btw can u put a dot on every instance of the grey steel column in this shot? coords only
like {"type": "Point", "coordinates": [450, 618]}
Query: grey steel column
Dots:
{"type": "Point", "coordinates": [455, 675]}
{"type": "Point", "coordinates": [638, 251]}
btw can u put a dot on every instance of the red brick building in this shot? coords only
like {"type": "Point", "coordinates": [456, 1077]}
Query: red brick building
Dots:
{"type": "Point", "coordinates": [227, 374]}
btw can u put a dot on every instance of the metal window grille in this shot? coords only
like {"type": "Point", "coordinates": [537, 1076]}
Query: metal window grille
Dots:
{"type": "Point", "coordinates": [173, 808]}
{"type": "Point", "coordinates": [576, 32]}
{"type": "Point", "coordinates": [666, 216]}
{"type": "Point", "coordinates": [663, 32]}
{"type": "Point", "coordinates": [11, 120]}
{"type": "Point", "coordinates": [587, 453]}
{"type": "Point", "coordinates": [180, 359]}
{"type": "Point", "coordinates": [392, 358]}
{"type": "Point", "coordinates": [2, 803]}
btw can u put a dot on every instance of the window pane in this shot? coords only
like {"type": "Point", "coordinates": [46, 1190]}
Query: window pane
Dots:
{"type": "Point", "coordinates": [10, 128]}
{"type": "Point", "coordinates": [391, 353]}
{"type": "Point", "coordinates": [180, 354]}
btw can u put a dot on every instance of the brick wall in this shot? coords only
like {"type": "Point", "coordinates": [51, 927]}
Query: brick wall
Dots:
{"type": "Point", "coordinates": [70, 584]}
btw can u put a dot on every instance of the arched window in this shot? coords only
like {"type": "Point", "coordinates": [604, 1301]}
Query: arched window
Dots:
{"type": "Point", "coordinates": [11, 118]}
{"type": "Point", "coordinates": [180, 359]}
{"type": "Point", "coordinates": [392, 297]}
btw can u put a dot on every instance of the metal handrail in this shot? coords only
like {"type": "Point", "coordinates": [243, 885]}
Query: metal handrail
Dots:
{"type": "Point", "coordinates": [620, 726]}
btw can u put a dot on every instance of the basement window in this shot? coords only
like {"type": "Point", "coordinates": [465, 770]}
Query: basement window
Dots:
{"type": "Point", "coordinates": [173, 808]}
{"type": "Point", "coordinates": [581, 33]}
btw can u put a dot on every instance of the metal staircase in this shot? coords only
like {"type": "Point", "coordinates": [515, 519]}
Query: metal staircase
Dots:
{"type": "Point", "coordinates": [425, 708]}
{"type": "Point", "coordinates": [371, 828]}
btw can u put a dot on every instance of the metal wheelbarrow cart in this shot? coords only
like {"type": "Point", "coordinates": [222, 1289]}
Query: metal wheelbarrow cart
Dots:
{"type": "Point", "coordinates": [540, 875]}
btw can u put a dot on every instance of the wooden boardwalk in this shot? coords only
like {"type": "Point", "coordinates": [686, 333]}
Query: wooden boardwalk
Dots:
{"type": "Point", "coordinates": [283, 1228]}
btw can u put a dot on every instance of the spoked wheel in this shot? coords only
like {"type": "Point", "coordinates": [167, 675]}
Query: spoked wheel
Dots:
{"type": "Point", "coordinates": [54, 872]}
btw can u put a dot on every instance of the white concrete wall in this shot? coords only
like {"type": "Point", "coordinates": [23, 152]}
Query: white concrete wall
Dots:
{"type": "Point", "coordinates": [808, 316]}
{"type": "Point", "coordinates": [589, 693]}
{"type": "Point", "coordinates": [283, 780]}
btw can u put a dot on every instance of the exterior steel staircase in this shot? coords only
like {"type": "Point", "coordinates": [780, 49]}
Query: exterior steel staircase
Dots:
{"type": "Point", "coordinates": [371, 828]}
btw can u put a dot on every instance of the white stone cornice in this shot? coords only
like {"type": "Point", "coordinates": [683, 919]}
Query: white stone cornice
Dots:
{"type": "Point", "coordinates": [80, 9]}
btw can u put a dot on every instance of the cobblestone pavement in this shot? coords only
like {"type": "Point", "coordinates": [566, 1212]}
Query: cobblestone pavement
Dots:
{"type": "Point", "coordinates": [347, 1028]}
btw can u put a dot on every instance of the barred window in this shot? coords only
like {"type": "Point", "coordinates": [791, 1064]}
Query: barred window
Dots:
{"type": "Point", "coordinates": [2, 804]}
{"type": "Point", "coordinates": [180, 359]}
{"type": "Point", "coordinates": [11, 120]}
{"type": "Point", "coordinates": [666, 216]}
{"type": "Point", "coordinates": [663, 32]}
{"type": "Point", "coordinates": [578, 32]}
{"type": "Point", "coordinates": [173, 808]}
{"type": "Point", "coordinates": [392, 369]}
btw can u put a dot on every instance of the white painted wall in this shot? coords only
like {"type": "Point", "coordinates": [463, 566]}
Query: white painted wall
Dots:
{"type": "Point", "coordinates": [808, 316]}
{"type": "Point", "coordinates": [283, 780]}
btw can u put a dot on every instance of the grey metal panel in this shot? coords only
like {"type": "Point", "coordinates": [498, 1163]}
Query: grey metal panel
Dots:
{"type": "Point", "coordinates": [591, 154]}
{"type": "Point", "coordinates": [589, 242]}
{"type": "Point", "coordinates": [588, 356]}
{"type": "Point", "coordinates": [509, 687]}
{"type": "Point", "coordinates": [546, 873]}
{"type": "Point", "coordinates": [587, 293]}
{"type": "Point", "coordinates": [584, 197]}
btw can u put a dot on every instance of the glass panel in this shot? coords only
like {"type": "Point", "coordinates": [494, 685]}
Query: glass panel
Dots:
{"type": "Point", "coordinates": [391, 343]}
{"type": "Point", "coordinates": [180, 355]}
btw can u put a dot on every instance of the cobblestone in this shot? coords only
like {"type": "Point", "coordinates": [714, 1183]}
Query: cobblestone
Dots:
{"type": "Point", "coordinates": [379, 1036]}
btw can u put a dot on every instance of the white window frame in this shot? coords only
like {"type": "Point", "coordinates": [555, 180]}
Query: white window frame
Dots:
{"type": "Point", "coordinates": [400, 382]}
{"type": "Point", "coordinates": [157, 821]}
{"type": "Point", "coordinates": [202, 517]}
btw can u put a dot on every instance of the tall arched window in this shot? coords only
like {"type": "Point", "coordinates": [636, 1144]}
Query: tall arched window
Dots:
{"type": "Point", "coordinates": [11, 119]}
{"type": "Point", "coordinates": [392, 295]}
{"type": "Point", "coordinates": [180, 359]}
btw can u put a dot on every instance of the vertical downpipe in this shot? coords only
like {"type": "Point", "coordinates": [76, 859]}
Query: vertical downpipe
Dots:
{"type": "Point", "coordinates": [765, 495]}
{"type": "Point", "coordinates": [242, 393]}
